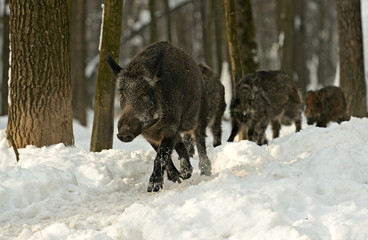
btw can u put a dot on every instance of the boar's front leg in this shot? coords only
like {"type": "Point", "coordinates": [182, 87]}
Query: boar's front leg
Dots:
{"type": "Point", "coordinates": [162, 158]}
{"type": "Point", "coordinates": [234, 131]}
{"type": "Point", "coordinates": [204, 162]}
{"type": "Point", "coordinates": [186, 168]}
{"type": "Point", "coordinates": [172, 173]}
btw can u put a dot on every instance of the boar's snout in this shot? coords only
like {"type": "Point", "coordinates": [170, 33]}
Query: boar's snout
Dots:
{"type": "Point", "coordinates": [126, 136]}
{"type": "Point", "coordinates": [128, 127]}
{"type": "Point", "coordinates": [310, 121]}
{"type": "Point", "coordinates": [244, 117]}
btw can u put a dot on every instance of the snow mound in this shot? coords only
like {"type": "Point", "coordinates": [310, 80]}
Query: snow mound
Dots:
{"type": "Point", "coordinates": [307, 185]}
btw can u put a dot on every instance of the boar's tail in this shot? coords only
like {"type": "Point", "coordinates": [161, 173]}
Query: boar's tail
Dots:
{"type": "Point", "coordinates": [113, 65]}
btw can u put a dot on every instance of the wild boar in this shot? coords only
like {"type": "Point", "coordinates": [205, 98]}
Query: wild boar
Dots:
{"type": "Point", "coordinates": [270, 95]}
{"type": "Point", "coordinates": [160, 98]}
{"type": "Point", "coordinates": [326, 105]}
{"type": "Point", "coordinates": [250, 113]}
{"type": "Point", "coordinates": [212, 108]}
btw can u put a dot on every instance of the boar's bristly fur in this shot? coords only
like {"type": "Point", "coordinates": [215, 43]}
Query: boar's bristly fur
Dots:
{"type": "Point", "coordinates": [325, 105]}
{"type": "Point", "coordinates": [260, 98]}
{"type": "Point", "coordinates": [161, 98]}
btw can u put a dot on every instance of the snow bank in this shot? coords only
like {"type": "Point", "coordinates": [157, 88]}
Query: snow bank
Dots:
{"type": "Point", "coordinates": [307, 185]}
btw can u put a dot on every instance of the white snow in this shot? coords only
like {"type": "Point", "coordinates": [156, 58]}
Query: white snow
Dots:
{"type": "Point", "coordinates": [307, 185]}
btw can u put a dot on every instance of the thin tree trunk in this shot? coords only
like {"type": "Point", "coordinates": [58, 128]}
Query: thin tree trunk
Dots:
{"type": "Point", "coordinates": [352, 79]}
{"type": "Point", "coordinates": [153, 24]}
{"type": "Point", "coordinates": [246, 33]}
{"type": "Point", "coordinates": [219, 16]}
{"type": "Point", "coordinates": [287, 28]}
{"type": "Point", "coordinates": [5, 57]}
{"type": "Point", "coordinates": [102, 132]}
{"type": "Point", "coordinates": [78, 62]}
{"type": "Point", "coordinates": [168, 19]}
{"type": "Point", "coordinates": [40, 110]}
{"type": "Point", "coordinates": [232, 40]}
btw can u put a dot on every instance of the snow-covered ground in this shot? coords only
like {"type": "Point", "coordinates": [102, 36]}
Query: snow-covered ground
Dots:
{"type": "Point", "coordinates": [307, 185]}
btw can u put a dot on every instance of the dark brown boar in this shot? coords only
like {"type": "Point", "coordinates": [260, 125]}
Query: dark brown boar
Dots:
{"type": "Point", "coordinates": [326, 105]}
{"type": "Point", "coordinates": [161, 98]}
{"type": "Point", "coordinates": [212, 108]}
{"type": "Point", "coordinates": [268, 96]}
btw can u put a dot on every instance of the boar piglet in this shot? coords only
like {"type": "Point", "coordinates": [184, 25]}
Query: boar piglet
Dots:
{"type": "Point", "coordinates": [160, 97]}
{"type": "Point", "coordinates": [269, 95]}
{"type": "Point", "coordinates": [325, 105]}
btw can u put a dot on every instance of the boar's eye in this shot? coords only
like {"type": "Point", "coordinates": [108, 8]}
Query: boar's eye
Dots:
{"type": "Point", "coordinates": [143, 92]}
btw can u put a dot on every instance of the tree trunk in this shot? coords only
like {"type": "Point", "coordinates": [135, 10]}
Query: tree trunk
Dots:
{"type": "Point", "coordinates": [5, 57]}
{"type": "Point", "coordinates": [168, 19]}
{"type": "Point", "coordinates": [153, 24]}
{"type": "Point", "coordinates": [219, 11]}
{"type": "Point", "coordinates": [232, 40]}
{"type": "Point", "coordinates": [78, 61]}
{"type": "Point", "coordinates": [287, 28]}
{"type": "Point", "coordinates": [246, 33]}
{"type": "Point", "coordinates": [300, 49]}
{"type": "Point", "coordinates": [352, 79]}
{"type": "Point", "coordinates": [40, 110]}
{"type": "Point", "coordinates": [102, 132]}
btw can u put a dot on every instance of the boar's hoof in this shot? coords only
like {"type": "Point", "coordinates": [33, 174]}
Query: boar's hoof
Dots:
{"type": "Point", "coordinates": [186, 168]}
{"type": "Point", "coordinates": [155, 183]}
{"type": "Point", "coordinates": [154, 187]}
{"type": "Point", "coordinates": [173, 175]}
{"type": "Point", "coordinates": [205, 167]}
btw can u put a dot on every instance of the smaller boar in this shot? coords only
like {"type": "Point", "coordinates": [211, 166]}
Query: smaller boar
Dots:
{"type": "Point", "coordinates": [272, 96]}
{"type": "Point", "coordinates": [250, 110]}
{"type": "Point", "coordinates": [212, 107]}
{"type": "Point", "coordinates": [325, 105]}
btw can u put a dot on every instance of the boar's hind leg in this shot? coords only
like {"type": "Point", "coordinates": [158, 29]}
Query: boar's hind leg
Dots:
{"type": "Point", "coordinates": [204, 162]}
{"type": "Point", "coordinates": [162, 158]}
{"type": "Point", "coordinates": [276, 126]}
{"type": "Point", "coordinates": [189, 144]}
{"type": "Point", "coordinates": [186, 168]}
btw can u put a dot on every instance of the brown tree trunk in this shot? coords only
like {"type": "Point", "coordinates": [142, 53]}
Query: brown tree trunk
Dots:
{"type": "Point", "coordinates": [352, 79]}
{"type": "Point", "coordinates": [40, 110]}
{"type": "Point", "coordinates": [232, 40]}
{"type": "Point", "coordinates": [5, 58]}
{"type": "Point", "coordinates": [153, 23]}
{"type": "Point", "coordinates": [287, 28]}
{"type": "Point", "coordinates": [78, 61]}
{"type": "Point", "coordinates": [103, 121]}
{"type": "Point", "coordinates": [168, 19]}
{"type": "Point", "coordinates": [219, 16]}
{"type": "Point", "coordinates": [247, 38]}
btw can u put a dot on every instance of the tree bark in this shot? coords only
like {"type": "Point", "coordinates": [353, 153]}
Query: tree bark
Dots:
{"type": "Point", "coordinates": [103, 121]}
{"type": "Point", "coordinates": [232, 40]}
{"type": "Point", "coordinates": [352, 79]}
{"type": "Point", "coordinates": [40, 110]}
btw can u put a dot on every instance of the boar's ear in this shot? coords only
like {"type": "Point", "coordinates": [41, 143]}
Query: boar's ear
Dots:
{"type": "Point", "coordinates": [154, 68]}
{"type": "Point", "coordinates": [113, 65]}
